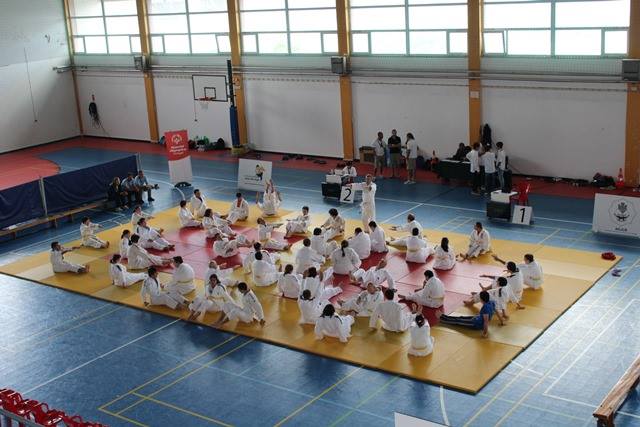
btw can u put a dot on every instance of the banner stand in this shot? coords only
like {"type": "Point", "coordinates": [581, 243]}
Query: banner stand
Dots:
{"type": "Point", "coordinates": [177, 143]}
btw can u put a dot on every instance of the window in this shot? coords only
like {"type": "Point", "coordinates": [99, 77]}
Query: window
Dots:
{"type": "Point", "coordinates": [276, 27]}
{"type": "Point", "coordinates": [104, 27]}
{"type": "Point", "coordinates": [556, 27]}
{"type": "Point", "coordinates": [189, 27]}
{"type": "Point", "coordinates": [409, 27]}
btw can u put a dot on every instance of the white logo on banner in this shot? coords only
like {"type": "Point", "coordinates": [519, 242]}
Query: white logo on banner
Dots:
{"type": "Point", "coordinates": [616, 215]}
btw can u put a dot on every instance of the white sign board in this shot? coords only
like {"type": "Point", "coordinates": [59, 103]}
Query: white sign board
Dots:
{"type": "Point", "coordinates": [616, 215]}
{"type": "Point", "coordinates": [521, 215]}
{"type": "Point", "coordinates": [180, 170]}
{"type": "Point", "coordinates": [253, 174]}
{"type": "Point", "coordinates": [347, 194]}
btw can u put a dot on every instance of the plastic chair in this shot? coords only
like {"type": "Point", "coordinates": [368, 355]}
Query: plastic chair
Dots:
{"type": "Point", "coordinates": [523, 193]}
{"type": "Point", "coordinates": [43, 415]}
{"type": "Point", "coordinates": [10, 400]}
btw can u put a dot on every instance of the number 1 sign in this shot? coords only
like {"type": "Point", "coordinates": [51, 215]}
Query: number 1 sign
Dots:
{"type": "Point", "coordinates": [522, 215]}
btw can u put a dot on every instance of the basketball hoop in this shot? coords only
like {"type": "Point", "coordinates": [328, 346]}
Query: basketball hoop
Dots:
{"type": "Point", "coordinates": [204, 102]}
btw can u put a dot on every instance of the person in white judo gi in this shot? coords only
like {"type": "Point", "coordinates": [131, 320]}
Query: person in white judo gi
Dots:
{"type": "Point", "coordinates": [361, 243]}
{"type": "Point", "coordinates": [137, 214]}
{"type": "Point", "coordinates": [307, 257]}
{"type": "Point", "coordinates": [310, 308]}
{"type": "Point", "coordinates": [88, 234]}
{"type": "Point", "coordinates": [330, 324]}
{"type": "Point", "coordinates": [197, 204]}
{"type": "Point", "coordinates": [119, 274]}
{"type": "Point", "coordinates": [153, 292]}
{"type": "Point", "coordinates": [479, 243]}
{"type": "Point", "coordinates": [222, 272]}
{"type": "Point", "coordinates": [247, 311]}
{"type": "Point", "coordinates": [212, 299]}
{"type": "Point", "coordinates": [214, 224]}
{"type": "Point", "coordinates": [271, 200]}
{"type": "Point", "coordinates": [239, 210]}
{"type": "Point", "coordinates": [289, 283]}
{"type": "Point", "coordinates": [363, 304]}
{"type": "Point", "coordinates": [182, 279]}
{"type": "Point", "coordinates": [151, 238]}
{"type": "Point", "coordinates": [444, 257]}
{"type": "Point", "coordinates": [317, 283]}
{"type": "Point", "coordinates": [532, 274]}
{"type": "Point", "coordinates": [500, 293]}
{"type": "Point", "coordinates": [264, 236]}
{"type": "Point", "coordinates": [60, 265]}
{"type": "Point", "coordinates": [378, 239]}
{"type": "Point", "coordinates": [430, 295]}
{"type": "Point", "coordinates": [300, 224]}
{"type": "Point", "coordinates": [334, 225]}
{"type": "Point", "coordinates": [344, 259]}
{"type": "Point", "coordinates": [368, 204]}
{"type": "Point", "coordinates": [393, 314]}
{"type": "Point", "coordinates": [186, 218]}
{"type": "Point", "coordinates": [321, 243]}
{"type": "Point", "coordinates": [407, 227]}
{"type": "Point", "coordinates": [263, 272]}
{"type": "Point", "coordinates": [516, 283]}
{"type": "Point", "coordinates": [418, 249]}
{"type": "Point", "coordinates": [377, 275]}
{"type": "Point", "coordinates": [123, 247]}
{"type": "Point", "coordinates": [139, 258]}
{"type": "Point", "coordinates": [226, 248]}
{"type": "Point", "coordinates": [421, 339]}
{"type": "Point", "coordinates": [247, 261]}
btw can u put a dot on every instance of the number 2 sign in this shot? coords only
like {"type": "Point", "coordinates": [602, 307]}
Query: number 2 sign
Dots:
{"type": "Point", "coordinates": [346, 194]}
{"type": "Point", "coordinates": [522, 215]}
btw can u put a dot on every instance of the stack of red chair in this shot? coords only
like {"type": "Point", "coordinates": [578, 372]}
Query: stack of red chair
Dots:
{"type": "Point", "coordinates": [38, 412]}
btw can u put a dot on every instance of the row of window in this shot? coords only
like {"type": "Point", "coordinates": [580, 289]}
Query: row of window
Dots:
{"type": "Point", "coordinates": [379, 27]}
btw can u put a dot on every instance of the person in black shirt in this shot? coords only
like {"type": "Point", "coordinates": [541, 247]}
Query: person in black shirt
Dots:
{"type": "Point", "coordinates": [395, 150]}
{"type": "Point", "coordinates": [461, 154]}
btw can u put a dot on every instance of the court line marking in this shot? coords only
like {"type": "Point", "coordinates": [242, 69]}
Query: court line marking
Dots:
{"type": "Point", "coordinates": [57, 377]}
{"type": "Point", "coordinates": [402, 213]}
{"type": "Point", "coordinates": [445, 418]}
{"type": "Point", "coordinates": [365, 400]}
{"type": "Point", "coordinates": [179, 409]}
{"type": "Point", "coordinates": [122, 417]}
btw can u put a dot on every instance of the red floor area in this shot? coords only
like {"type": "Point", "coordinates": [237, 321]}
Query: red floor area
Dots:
{"type": "Point", "coordinates": [25, 165]}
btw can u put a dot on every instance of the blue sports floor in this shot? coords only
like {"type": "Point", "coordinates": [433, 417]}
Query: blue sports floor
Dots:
{"type": "Point", "coordinates": [127, 367]}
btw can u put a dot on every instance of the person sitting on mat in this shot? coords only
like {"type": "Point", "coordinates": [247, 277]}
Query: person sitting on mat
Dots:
{"type": "Point", "coordinates": [444, 257]}
{"type": "Point", "coordinates": [321, 243]}
{"type": "Point", "coordinates": [361, 243]}
{"type": "Point", "coordinates": [316, 283]}
{"type": "Point", "coordinates": [187, 220]}
{"type": "Point", "coordinates": [393, 315]}
{"type": "Point", "coordinates": [212, 299]}
{"type": "Point", "coordinates": [430, 295]}
{"type": "Point", "coordinates": [363, 304]}
{"type": "Point", "coordinates": [532, 274]}
{"type": "Point", "coordinates": [408, 227]}
{"type": "Point", "coordinates": [264, 236]}
{"type": "Point", "coordinates": [247, 312]}
{"type": "Point", "coordinates": [182, 277]}
{"type": "Point", "coordinates": [499, 293]}
{"type": "Point", "coordinates": [516, 285]}
{"type": "Point", "coordinates": [139, 258]}
{"type": "Point", "coordinates": [263, 272]}
{"type": "Point", "coordinates": [198, 204]}
{"type": "Point", "coordinates": [334, 225]}
{"type": "Point", "coordinates": [248, 259]}
{"type": "Point", "coordinates": [143, 185]}
{"type": "Point", "coordinates": [421, 339]}
{"type": "Point", "coordinates": [479, 243]}
{"type": "Point", "coordinates": [418, 249]}
{"type": "Point", "coordinates": [124, 244]}
{"type": "Point", "coordinates": [330, 324]}
{"type": "Point", "coordinates": [137, 214]}
{"type": "Point", "coordinates": [307, 257]}
{"type": "Point", "coordinates": [378, 242]}
{"type": "Point", "coordinates": [153, 292]}
{"type": "Point", "coordinates": [58, 262]}
{"type": "Point", "coordinates": [377, 275]}
{"type": "Point", "coordinates": [222, 272]}
{"type": "Point", "coordinates": [300, 224]}
{"type": "Point", "coordinates": [289, 283]}
{"type": "Point", "coordinates": [239, 210]}
{"type": "Point", "coordinates": [479, 321]}
{"type": "Point", "coordinates": [151, 238]}
{"type": "Point", "coordinates": [119, 274]}
{"type": "Point", "coordinates": [226, 248]}
{"type": "Point", "coordinates": [88, 234]}
{"type": "Point", "coordinates": [344, 259]}
{"type": "Point", "coordinates": [271, 200]}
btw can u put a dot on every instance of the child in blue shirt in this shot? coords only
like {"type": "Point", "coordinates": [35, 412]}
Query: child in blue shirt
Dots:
{"type": "Point", "coordinates": [479, 321]}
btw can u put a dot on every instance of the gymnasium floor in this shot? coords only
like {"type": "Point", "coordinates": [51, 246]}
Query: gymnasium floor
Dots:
{"type": "Point", "coordinates": [81, 354]}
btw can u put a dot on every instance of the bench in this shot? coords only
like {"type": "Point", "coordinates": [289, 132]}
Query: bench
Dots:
{"type": "Point", "coordinates": [14, 229]}
{"type": "Point", "coordinates": [616, 397]}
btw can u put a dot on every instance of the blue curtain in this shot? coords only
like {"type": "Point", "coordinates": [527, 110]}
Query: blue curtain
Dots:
{"type": "Point", "coordinates": [21, 203]}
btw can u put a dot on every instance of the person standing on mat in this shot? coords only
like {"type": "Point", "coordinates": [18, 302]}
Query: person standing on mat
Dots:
{"type": "Point", "coordinates": [143, 185]}
{"type": "Point", "coordinates": [368, 204]}
{"type": "Point", "coordinates": [379, 147]}
{"type": "Point", "coordinates": [479, 321]}
{"type": "Point", "coordinates": [395, 152]}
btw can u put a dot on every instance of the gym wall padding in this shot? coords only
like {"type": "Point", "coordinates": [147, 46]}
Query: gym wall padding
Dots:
{"type": "Point", "coordinates": [21, 203]}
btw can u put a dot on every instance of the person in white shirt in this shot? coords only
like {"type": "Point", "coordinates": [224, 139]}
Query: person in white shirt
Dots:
{"type": "Point", "coordinates": [212, 300]}
{"type": "Point", "coordinates": [532, 274]}
{"type": "Point", "coordinates": [329, 324]}
{"type": "Point", "coordinates": [474, 167]}
{"type": "Point", "coordinates": [378, 240]}
{"type": "Point", "coordinates": [376, 275]}
{"type": "Point", "coordinates": [361, 243]}
{"type": "Point", "coordinates": [344, 259]}
{"type": "Point", "coordinates": [138, 214]}
{"type": "Point", "coordinates": [139, 257]}
{"type": "Point", "coordinates": [223, 273]}
{"type": "Point", "coordinates": [349, 171]}
{"type": "Point", "coordinates": [317, 283]}
{"type": "Point", "coordinates": [479, 243]}
{"type": "Point", "coordinates": [310, 308]}
{"type": "Point", "coordinates": [151, 238]}
{"type": "Point", "coordinates": [368, 205]}
{"type": "Point", "coordinates": [499, 292]}
{"type": "Point", "coordinates": [59, 264]}
{"type": "Point", "coordinates": [444, 257]}
{"type": "Point", "coordinates": [248, 259]}
{"type": "Point", "coordinates": [408, 227]}
{"type": "Point", "coordinates": [363, 304]}
{"type": "Point", "coordinates": [307, 257]}
{"type": "Point", "coordinates": [186, 218]}
{"type": "Point", "coordinates": [124, 244]}
{"type": "Point", "coordinates": [515, 280]}
{"type": "Point", "coordinates": [379, 148]}
{"type": "Point", "coordinates": [393, 314]}
{"type": "Point", "coordinates": [321, 243]}
{"type": "Point", "coordinates": [489, 163]}
{"type": "Point", "coordinates": [411, 156]}
{"type": "Point", "coordinates": [271, 200]}
{"type": "Point", "coordinates": [501, 164]}
{"type": "Point", "coordinates": [430, 295]}
{"type": "Point", "coordinates": [213, 224]}
{"type": "Point", "coordinates": [247, 312]}
{"type": "Point", "coordinates": [239, 210]}
{"type": "Point", "coordinates": [198, 204]}
{"type": "Point", "coordinates": [418, 249]}
{"type": "Point", "coordinates": [119, 274]}
{"type": "Point", "coordinates": [264, 236]}
{"type": "Point", "coordinates": [334, 225]}
{"type": "Point", "coordinates": [88, 233]}
{"type": "Point", "coordinates": [153, 292]}
{"type": "Point", "coordinates": [263, 272]}
{"type": "Point", "coordinates": [182, 277]}
{"type": "Point", "coordinates": [289, 283]}
{"type": "Point", "coordinates": [421, 339]}
{"type": "Point", "coordinates": [226, 248]}
{"type": "Point", "coordinates": [300, 224]}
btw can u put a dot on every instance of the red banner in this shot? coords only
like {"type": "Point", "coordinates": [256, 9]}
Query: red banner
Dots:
{"type": "Point", "coordinates": [177, 142]}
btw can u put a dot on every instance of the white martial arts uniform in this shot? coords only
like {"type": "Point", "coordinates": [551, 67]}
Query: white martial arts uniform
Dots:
{"type": "Point", "coordinates": [156, 296]}
{"type": "Point", "coordinates": [310, 310]}
{"type": "Point", "coordinates": [210, 227]}
{"type": "Point", "coordinates": [368, 205]}
{"type": "Point", "coordinates": [334, 326]}
{"type": "Point", "coordinates": [264, 236]}
{"type": "Point", "coordinates": [249, 310]}
{"type": "Point", "coordinates": [421, 340]}
{"type": "Point", "coordinates": [247, 261]}
{"type": "Point", "coordinates": [374, 275]}
{"type": "Point", "coordinates": [378, 240]}
{"type": "Point", "coordinates": [223, 275]}
{"type": "Point", "coordinates": [150, 238]}
{"type": "Point", "coordinates": [122, 278]}
{"type": "Point", "coordinates": [431, 294]}
{"type": "Point", "coordinates": [408, 227]}
{"type": "Point", "coordinates": [418, 249]}
{"type": "Point", "coordinates": [319, 289]}
{"type": "Point", "coordinates": [516, 285]}
{"type": "Point", "coordinates": [238, 213]}
{"type": "Point", "coordinates": [139, 257]}
{"type": "Point", "coordinates": [361, 243]}
{"type": "Point", "coordinates": [226, 248]}
{"type": "Point", "coordinates": [364, 304]}
{"type": "Point", "coordinates": [306, 258]}
{"type": "Point", "coordinates": [89, 238]}
{"type": "Point", "coordinates": [212, 300]}
{"type": "Point", "coordinates": [346, 264]}
{"type": "Point", "coordinates": [124, 248]}
{"type": "Point", "coordinates": [393, 315]}
{"type": "Point", "coordinates": [270, 203]}
{"type": "Point", "coordinates": [187, 219]}
{"type": "Point", "coordinates": [59, 265]}
{"type": "Point", "coordinates": [135, 217]}
{"type": "Point", "coordinates": [290, 285]}
{"type": "Point", "coordinates": [263, 273]}
{"type": "Point", "coordinates": [298, 225]}
{"type": "Point", "coordinates": [182, 280]}
{"type": "Point", "coordinates": [322, 245]}
{"type": "Point", "coordinates": [198, 206]}
{"type": "Point", "coordinates": [333, 227]}
{"type": "Point", "coordinates": [479, 243]}
{"type": "Point", "coordinates": [532, 274]}
{"type": "Point", "coordinates": [444, 260]}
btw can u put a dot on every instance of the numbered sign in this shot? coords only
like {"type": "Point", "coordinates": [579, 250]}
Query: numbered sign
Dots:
{"type": "Point", "coordinates": [522, 215]}
{"type": "Point", "coordinates": [347, 194]}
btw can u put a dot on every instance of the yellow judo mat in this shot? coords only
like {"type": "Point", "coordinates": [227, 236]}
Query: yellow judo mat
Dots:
{"type": "Point", "coordinates": [461, 359]}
